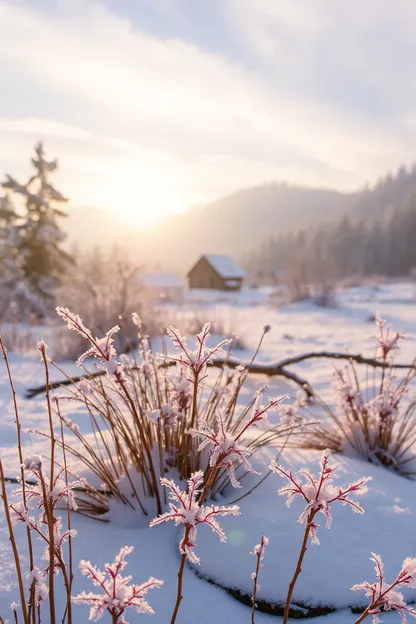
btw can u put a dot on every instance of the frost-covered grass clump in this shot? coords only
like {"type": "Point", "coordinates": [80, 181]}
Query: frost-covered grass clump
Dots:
{"type": "Point", "coordinates": [149, 415]}
{"type": "Point", "coordinates": [374, 419]}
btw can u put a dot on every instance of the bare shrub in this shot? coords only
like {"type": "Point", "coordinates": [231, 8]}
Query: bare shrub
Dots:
{"type": "Point", "coordinates": [17, 334]}
{"type": "Point", "coordinates": [17, 338]}
{"type": "Point", "coordinates": [106, 287]}
{"type": "Point", "coordinates": [309, 277]}
{"type": "Point", "coordinates": [376, 422]}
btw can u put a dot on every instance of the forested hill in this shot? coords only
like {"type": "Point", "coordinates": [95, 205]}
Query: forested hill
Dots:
{"type": "Point", "coordinates": [240, 222]}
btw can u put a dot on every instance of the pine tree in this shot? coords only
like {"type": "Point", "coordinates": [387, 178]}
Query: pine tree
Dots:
{"type": "Point", "coordinates": [8, 217]}
{"type": "Point", "coordinates": [38, 235]}
{"type": "Point", "coordinates": [10, 273]}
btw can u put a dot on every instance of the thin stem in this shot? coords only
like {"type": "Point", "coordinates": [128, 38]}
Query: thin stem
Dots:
{"type": "Point", "coordinates": [51, 571]}
{"type": "Point", "coordinates": [14, 545]}
{"type": "Point", "coordinates": [363, 615]}
{"type": "Point", "coordinates": [379, 601]}
{"type": "Point", "coordinates": [70, 562]}
{"type": "Point", "coordinates": [47, 499]}
{"type": "Point", "coordinates": [146, 448]}
{"type": "Point", "coordinates": [185, 539]}
{"type": "Point", "coordinates": [179, 595]}
{"type": "Point", "coordinates": [188, 441]}
{"type": "Point", "coordinates": [259, 554]}
{"type": "Point", "coordinates": [22, 472]}
{"type": "Point", "coordinates": [298, 566]}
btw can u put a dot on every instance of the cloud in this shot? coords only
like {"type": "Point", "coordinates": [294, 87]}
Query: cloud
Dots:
{"type": "Point", "coordinates": [349, 54]}
{"type": "Point", "coordinates": [151, 121]}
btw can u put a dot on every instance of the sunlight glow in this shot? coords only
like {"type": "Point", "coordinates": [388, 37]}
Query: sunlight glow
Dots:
{"type": "Point", "coordinates": [138, 193]}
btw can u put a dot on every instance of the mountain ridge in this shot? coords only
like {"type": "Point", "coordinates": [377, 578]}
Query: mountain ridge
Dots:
{"type": "Point", "coordinates": [238, 222]}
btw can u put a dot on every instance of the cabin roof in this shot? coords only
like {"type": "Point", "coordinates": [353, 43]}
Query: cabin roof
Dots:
{"type": "Point", "coordinates": [225, 266]}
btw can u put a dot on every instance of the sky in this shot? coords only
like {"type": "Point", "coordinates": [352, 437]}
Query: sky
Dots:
{"type": "Point", "coordinates": [152, 106]}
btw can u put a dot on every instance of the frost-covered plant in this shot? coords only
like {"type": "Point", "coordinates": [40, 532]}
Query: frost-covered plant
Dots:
{"type": "Point", "coordinates": [318, 494]}
{"type": "Point", "coordinates": [195, 359]}
{"type": "Point", "coordinates": [187, 510]}
{"type": "Point", "coordinates": [36, 510]}
{"type": "Point", "coordinates": [190, 321]}
{"type": "Point", "coordinates": [375, 421]}
{"type": "Point", "coordinates": [224, 447]}
{"type": "Point", "coordinates": [258, 552]}
{"type": "Point", "coordinates": [104, 284]}
{"type": "Point", "coordinates": [118, 593]}
{"type": "Point", "coordinates": [102, 349]}
{"type": "Point", "coordinates": [141, 408]}
{"type": "Point", "coordinates": [384, 596]}
{"type": "Point", "coordinates": [47, 526]}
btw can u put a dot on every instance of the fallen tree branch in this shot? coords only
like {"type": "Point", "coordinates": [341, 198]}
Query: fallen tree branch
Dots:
{"type": "Point", "coordinates": [270, 370]}
{"type": "Point", "coordinates": [333, 355]}
{"type": "Point", "coordinates": [275, 369]}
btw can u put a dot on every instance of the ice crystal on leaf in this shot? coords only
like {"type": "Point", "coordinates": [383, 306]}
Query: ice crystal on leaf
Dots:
{"type": "Point", "coordinates": [43, 348]}
{"type": "Point", "coordinates": [225, 449]}
{"type": "Point", "coordinates": [56, 492]}
{"type": "Point", "coordinates": [319, 493]}
{"type": "Point", "coordinates": [19, 515]}
{"type": "Point", "coordinates": [289, 414]}
{"type": "Point", "coordinates": [118, 594]}
{"type": "Point", "coordinates": [181, 388]}
{"type": "Point", "coordinates": [43, 495]}
{"type": "Point", "coordinates": [186, 510]}
{"type": "Point", "coordinates": [101, 349]}
{"type": "Point", "coordinates": [384, 596]}
{"type": "Point", "coordinates": [37, 578]}
{"type": "Point", "coordinates": [196, 359]}
{"type": "Point", "coordinates": [388, 341]}
{"type": "Point", "coordinates": [74, 322]}
{"type": "Point", "coordinates": [258, 551]}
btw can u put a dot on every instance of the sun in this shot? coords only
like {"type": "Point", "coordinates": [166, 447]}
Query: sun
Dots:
{"type": "Point", "coordinates": [141, 195]}
{"type": "Point", "coordinates": [144, 206]}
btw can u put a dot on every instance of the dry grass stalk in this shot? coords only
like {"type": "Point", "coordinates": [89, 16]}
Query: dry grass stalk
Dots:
{"type": "Point", "coordinates": [141, 410]}
{"type": "Point", "coordinates": [375, 419]}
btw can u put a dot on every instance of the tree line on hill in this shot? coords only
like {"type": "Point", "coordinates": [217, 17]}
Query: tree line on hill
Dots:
{"type": "Point", "coordinates": [372, 238]}
{"type": "Point", "coordinates": [384, 245]}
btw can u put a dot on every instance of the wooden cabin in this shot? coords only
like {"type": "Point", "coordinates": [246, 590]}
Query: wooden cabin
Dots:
{"type": "Point", "coordinates": [216, 272]}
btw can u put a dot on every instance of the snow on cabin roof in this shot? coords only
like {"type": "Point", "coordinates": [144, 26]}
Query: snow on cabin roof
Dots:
{"type": "Point", "coordinates": [161, 280]}
{"type": "Point", "coordinates": [225, 266]}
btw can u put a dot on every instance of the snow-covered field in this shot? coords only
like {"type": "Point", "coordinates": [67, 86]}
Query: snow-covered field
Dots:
{"type": "Point", "coordinates": [342, 559]}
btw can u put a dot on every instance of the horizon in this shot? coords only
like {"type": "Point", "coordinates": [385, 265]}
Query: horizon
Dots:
{"type": "Point", "coordinates": [153, 108]}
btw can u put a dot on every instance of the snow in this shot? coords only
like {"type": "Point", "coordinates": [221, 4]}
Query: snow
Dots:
{"type": "Point", "coordinates": [236, 299]}
{"type": "Point", "coordinates": [225, 266]}
{"type": "Point", "coordinates": [161, 280]}
{"type": "Point", "coordinates": [330, 569]}
{"type": "Point", "coordinates": [341, 559]}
